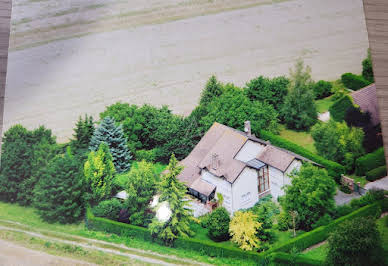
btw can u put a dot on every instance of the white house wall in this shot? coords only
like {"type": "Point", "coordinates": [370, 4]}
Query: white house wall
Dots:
{"type": "Point", "coordinates": [296, 164]}
{"type": "Point", "coordinates": [222, 186]}
{"type": "Point", "coordinates": [249, 151]}
{"type": "Point", "coordinates": [276, 182]}
{"type": "Point", "coordinates": [245, 189]}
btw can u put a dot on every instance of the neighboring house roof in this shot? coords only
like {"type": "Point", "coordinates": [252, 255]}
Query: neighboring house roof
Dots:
{"type": "Point", "coordinates": [366, 98]}
{"type": "Point", "coordinates": [276, 158]}
{"type": "Point", "coordinates": [226, 142]}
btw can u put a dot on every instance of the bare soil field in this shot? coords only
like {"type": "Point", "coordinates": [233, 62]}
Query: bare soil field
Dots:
{"type": "Point", "coordinates": [72, 59]}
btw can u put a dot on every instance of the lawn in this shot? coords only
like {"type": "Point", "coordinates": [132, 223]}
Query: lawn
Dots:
{"type": "Point", "coordinates": [318, 253]}
{"type": "Point", "coordinates": [382, 225]}
{"type": "Point", "coordinates": [302, 138]}
{"type": "Point", "coordinates": [323, 105]}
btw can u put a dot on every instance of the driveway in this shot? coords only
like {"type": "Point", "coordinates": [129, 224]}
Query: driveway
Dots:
{"type": "Point", "coordinates": [343, 198]}
{"type": "Point", "coordinates": [381, 184]}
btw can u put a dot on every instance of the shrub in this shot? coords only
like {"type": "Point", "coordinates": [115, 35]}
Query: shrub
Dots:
{"type": "Point", "coordinates": [370, 161]}
{"type": "Point", "coordinates": [324, 220]}
{"type": "Point", "coordinates": [367, 69]}
{"type": "Point", "coordinates": [204, 220]}
{"type": "Point", "coordinates": [340, 107]}
{"type": "Point", "coordinates": [108, 208]}
{"type": "Point", "coordinates": [243, 230]}
{"type": "Point", "coordinates": [354, 82]}
{"type": "Point", "coordinates": [376, 173]}
{"type": "Point", "coordinates": [218, 224]}
{"type": "Point", "coordinates": [355, 242]}
{"type": "Point", "coordinates": [334, 169]}
{"type": "Point", "coordinates": [146, 155]}
{"type": "Point", "coordinates": [284, 221]}
{"type": "Point", "coordinates": [322, 89]}
{"type": "Point", "coordinates": [345, 189]}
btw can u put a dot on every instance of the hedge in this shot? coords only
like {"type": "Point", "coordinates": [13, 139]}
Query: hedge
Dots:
{"type": "Point", "coordinates": [376, 173]}
{"type": "Point", "coordinates": [354, 82]}
{"type": "Point", "coordinates": [204, 247]}
{"type": "Point", "coordinates": [334, 169]}
{"type": "Point", "coordinates": [339, 108]}
{"type": "Point", "coordinates": [281, 258]}
{"type": "Point", "coordinates": [321, 233]}
{"type": "Point", "coordinates": [370, 161]}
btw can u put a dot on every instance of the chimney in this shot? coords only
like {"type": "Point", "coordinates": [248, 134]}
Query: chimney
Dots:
{"type": "Point", "coordinates": [215, 161]}
{"type": "Point", "coordinates": [247, 128]}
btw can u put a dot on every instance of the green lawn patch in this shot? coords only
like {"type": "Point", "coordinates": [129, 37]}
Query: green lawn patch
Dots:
{"type": "Point", "coordinates": [323, 105]}
{"type": "Point", "coordinates": [302, 138]}
{"type": "Point", "coordinates": [318, 253]}
{"type": "Point", "coordinates": [382, 226]}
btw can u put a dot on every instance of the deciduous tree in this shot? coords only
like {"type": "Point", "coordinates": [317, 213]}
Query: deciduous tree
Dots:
{"type": "Point", "coordinates": [243, 229]}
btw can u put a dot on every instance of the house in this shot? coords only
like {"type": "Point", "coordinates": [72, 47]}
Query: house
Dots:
{"type": "Point", "coordinates": [366, 99]}
{"type": "Point", "coordinates": [238, 165]}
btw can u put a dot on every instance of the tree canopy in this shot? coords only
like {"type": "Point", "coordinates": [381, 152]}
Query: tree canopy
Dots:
{"type": "Point", "coordinates": [243, 229]}
{"type": "Point", "coordinates": [212, 90]}
{"type": "Point", "coordinates": [310, 195]}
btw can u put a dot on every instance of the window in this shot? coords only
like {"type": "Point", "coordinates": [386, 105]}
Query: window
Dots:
{"type": "Point", "coordinates": [263, 179]}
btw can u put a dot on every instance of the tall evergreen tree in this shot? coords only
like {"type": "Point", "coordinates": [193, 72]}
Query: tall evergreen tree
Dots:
{"type": "Point", "coordinates": [58, 196]}
{"type": "Point", "coordinates": [113, 135]}
{"type": "Point", "coordinates": [83, 133]}
{"type": "Point", "coordinates": [299, 110]}
{"type": "Point", "coordinates": [24, 154]}
{"type": "Point", "coordinates": [173, 191]}
{"type": "Point", "coordinates": [212, 90]}
{"type": "Point", "coordinates": [99, 172]}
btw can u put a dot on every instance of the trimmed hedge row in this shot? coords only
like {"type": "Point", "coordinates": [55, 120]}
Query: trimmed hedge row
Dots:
{"type": "Point", "coordinates": [204, 247]}
{"type": "Point", "coordinates": [281, 258]}
{"type": "Point", "coordinates": [334, 169]}
{"type": "Point", "coordinates": [370, 161]}
{"type": "Point", "coordinates": [339, 108]}
{"type": "Point", "coordinates": [376, 173]}
{"type": "Point", "coordinates": [321, 233]}
{"type": "Point", "coordinates": [354, 82]}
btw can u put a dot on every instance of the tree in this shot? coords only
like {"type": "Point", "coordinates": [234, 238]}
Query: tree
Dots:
{"type": "Point", "coordinates": [173, 192]}
{"type": "Point", "coordinates": [311, 195]}
{"type": "Point", "coordinates": [212, 90]}
{"type": "Point", "coordinates": [268, 90]}
{"type": "Point", "coordinates": [24, 154]}
{"type": "Point", "coordinates": [218, 224]}
{"type": "Point", "coordinates": [355, 242]}
{"type": "Point", "coordinates": [83, 133]}
{"type": "Point", "coordinates": [354, 117]}
{"type": "Point", "coordinates": [233, 108]}
{"type": "Point", "coordinates": [113, 135]}
{"type": "Point", "coordinates": [338, 142]}
{"type": "Point", "coordinates": [367, 68]}
{"type": "Point", "coordinates": [243, 229]}
{"type": "Point", "coordinates": [265, 211]}
{"type": "Point", "coordinates": [299, 110]}
{"type": "Point", "coordinates": [99, 172]}
{"type": "Point", "coordinates": [141, 187]}
{"type": "Point", "coordinates": [58, 196]}
{"type": "Point", "coordinates": [322, 89]}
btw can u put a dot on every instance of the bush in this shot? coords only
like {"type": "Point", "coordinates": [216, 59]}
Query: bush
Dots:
{"type": "Point", "coordinates": [376, 173]}
{"type": "Point", "coordinates": [218, 224]}
{"type": "Point", "coordinates": [370, 161]}
{"type": "Point", "coordinates": [345, 189]}
{"type": "Point", "coordinates": [322, 89]}
{"type": "Point", "coordinates": [324, 220]}
{"type": "Point", "coordinates": [367, 69]}
{"type": "Point", "coordinates": [204, 220]}
{"type": "Point", "coordinates": [355, 242]}
{"type": "Point", "coordinates": [340, 107]}
{"type": "Point", "coordinates": [108, 208]}
{"type": "Point", "coordinates": [147, 155]}
{"type": "Point", "coordinates": [334, 169]}
{"type": "Point", "coordinates": [354, 82]}
{"type": "Point", "coordinates": [284, 221]}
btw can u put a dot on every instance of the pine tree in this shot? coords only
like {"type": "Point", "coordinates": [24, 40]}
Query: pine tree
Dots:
{"type": "Point", "coordinates": [113, 135]}
{"type": "Point", "coordinates": [99, 172]}
{"type": "Point", "coordinates": [83, 133]}
{"type": "Point", "coordinates": [299, 110]}
{"type": "Point", "coordinates": [173, 191]}
{"type": "Point", "coordinates": [212, 89]}
{"type": "Point", "coordinates": [58, 196]}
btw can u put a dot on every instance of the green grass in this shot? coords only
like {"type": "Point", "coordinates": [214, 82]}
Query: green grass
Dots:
{"type": "Point", "coordinates": [29, 219]}
{"type": "Point", "coordinates": [382, 226]}
{"type": "Point", "coordinates": [201, 234]}
{"type": "Point", "coordinates": [302, 138]}
{"type": "Point", "coordinates": [318, 253]}
{"type": "Point", "coordinates": [323, 105]}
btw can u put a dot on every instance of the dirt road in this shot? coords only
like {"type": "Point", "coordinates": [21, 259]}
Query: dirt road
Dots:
{"type": "Point", "coordinates": [169, 63]}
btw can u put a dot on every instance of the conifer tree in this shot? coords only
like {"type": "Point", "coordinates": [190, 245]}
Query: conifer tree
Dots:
{"type": "Point", "coordinates": [212, 89]}
{"type": "Point", "coordinates": [58, 196]}
{"type": "Point", "coordinates": [83, 133]}
{"type": "Point", "coordinates": [99, 172]}
{"type": "Point", "coordinates": [113, 135]}
{"type": "Point", "coordinates": [173, 191]}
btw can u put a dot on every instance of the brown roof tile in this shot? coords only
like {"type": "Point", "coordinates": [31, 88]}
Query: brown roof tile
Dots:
{"type": "Point", "coordinates": [366, 98]}
{"type": "Point", "coordinates": [203, 187]}
{"type": "Point", "coordinates": [276, 157]}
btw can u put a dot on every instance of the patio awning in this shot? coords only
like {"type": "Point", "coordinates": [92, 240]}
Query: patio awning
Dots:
{"type": "Point", "coordinates": [203, 187]}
